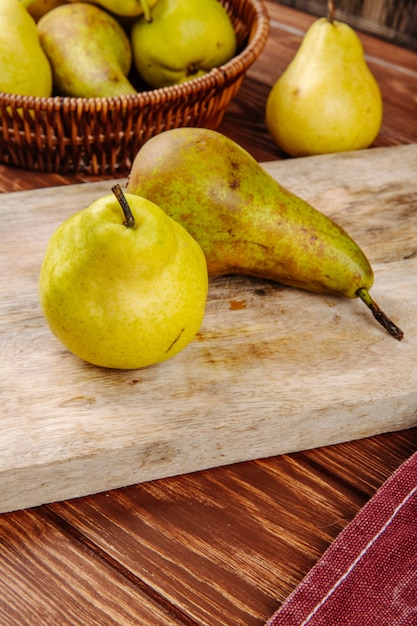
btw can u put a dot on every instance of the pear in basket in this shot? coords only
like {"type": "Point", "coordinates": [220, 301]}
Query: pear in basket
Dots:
{"type": "Point", "coordinates": [89, 51]}
{"type": "Point", "coordinates": [24, 68]}
{"type": "Point", "coordinates": [124, 8]}
{"type": "Point", "coordinates": [183, 39]}
{"type": "Point", "coordinates": [245, 221]}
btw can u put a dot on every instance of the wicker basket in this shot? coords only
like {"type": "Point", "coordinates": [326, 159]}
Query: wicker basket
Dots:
{"type": "Point", "coordinates": [103, 135]}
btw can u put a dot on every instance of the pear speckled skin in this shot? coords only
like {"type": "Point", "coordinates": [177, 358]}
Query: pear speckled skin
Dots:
{"type": "Point", "coordinates": [245, 222]}
{"type": "Point", "coordinates": [122, 297]}
{"type": "Point", "coordinates": [327, 100]}
{"type": "Point", "coordinates": [184, 40]}
{"type": "Point", "coordinates": [89, 51]}
{"type": "Point", "coordinates": [24, 67]}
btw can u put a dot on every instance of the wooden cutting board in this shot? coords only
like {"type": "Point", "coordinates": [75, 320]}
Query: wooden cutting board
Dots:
{"type": "Point", "coordinates": [273, 369]}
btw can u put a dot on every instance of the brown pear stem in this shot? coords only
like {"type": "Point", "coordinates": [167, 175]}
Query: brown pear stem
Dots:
{"type": "Point", "coordinates": [379, 315]}
{"type": "Point", "coordinates": [129, 219]}
{"type": "Point", "coordinates": [330, 11]}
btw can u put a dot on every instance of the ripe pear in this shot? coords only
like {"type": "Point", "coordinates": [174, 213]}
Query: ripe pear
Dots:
{"type": "Point", "coordinates": [183, 40]}
{"type": "Point", "coordinates": [327, 100]}
{"type": "Point", "coordinates": [244, 220]}
{"type": "Point", "coordinates": [124, 8]}
{"type": "Point", "coordinates": [24, 67]}
{"type": "Point", "coordinates": [123, 288]}
{"type": "Point", "coordinates": [89, 51]}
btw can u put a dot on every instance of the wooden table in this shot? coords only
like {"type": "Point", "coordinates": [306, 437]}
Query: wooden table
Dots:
{"type": "Point", "coordinates": [222, 546]}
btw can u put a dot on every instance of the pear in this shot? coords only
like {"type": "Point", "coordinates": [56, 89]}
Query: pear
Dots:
{"type": "Point", "coordinates": [124, 8]}
{"type": "Point", "coordinates": [24, 67]}
{"type": "Point", "coordinates": [89, 51]}
{"type": "Point", "coordinates": [327, 100]}
{"type": "Point", "coordinates": [122, 285]}
{"type": "Point", "coordinates": [244, 220]}
{"type": "Point", "coordinates": [182, 39]}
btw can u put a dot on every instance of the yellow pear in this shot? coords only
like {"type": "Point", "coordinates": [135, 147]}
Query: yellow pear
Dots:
{"type": "Point", "coordinates": [24, 67]}
{"type": "Point", "coordinates": [124, 8]}
{"type": "Point", "coordinates": [182, 39]}
{"type": "Point", "coordinates": [327, 100]}
{"type": "Point", "coordinates": [123, 285]}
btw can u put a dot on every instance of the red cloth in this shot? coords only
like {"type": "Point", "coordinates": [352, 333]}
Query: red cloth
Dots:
{"type": "Point", "coordinates": [368, 576]}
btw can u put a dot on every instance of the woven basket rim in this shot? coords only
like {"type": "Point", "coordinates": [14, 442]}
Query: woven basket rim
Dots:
{"type": "Point", "coordinates": [217, 76]}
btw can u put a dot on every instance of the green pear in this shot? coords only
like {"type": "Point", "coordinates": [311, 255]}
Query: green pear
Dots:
{"type": "Point", "coordinates": [24, 67]}
{"type": "Point", "coordinates": [244, 220]}
{"type": "Point", "coordinates": [89, 51]}
{"type": "Point", "coordinates": [183, 40]}
{"type": "Point", "coordinates": [123, 288]}
{"type": "Point", "coordinates": [124, 8]}
{"type": "Point", "coordinates": [327, 100]}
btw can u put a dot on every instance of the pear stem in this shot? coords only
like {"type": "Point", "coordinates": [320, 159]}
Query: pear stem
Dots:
{"type": "Point", "coordinates": [129, 219]}
{"type": "Point", "coordinates": [330, 11]}
{"type": "Point", "coordinates": [379, 315]}
{"type": "Point", "coordinates": [146, 10]}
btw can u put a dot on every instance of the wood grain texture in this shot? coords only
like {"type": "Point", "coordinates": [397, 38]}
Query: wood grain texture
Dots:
{"type": "Point", "coordinates": [60, 580]}
{"type": "Point", "coordinates": [265, 360]}
{"type": "Point", "coordinates": [392, 21]}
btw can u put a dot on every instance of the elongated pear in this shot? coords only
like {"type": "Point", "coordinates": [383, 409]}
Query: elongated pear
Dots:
{"type": "Point", "coordinates": [245, 221]}
{"type": "Point", "coordinates": [89, 51]}
{"type": "Point", "coordinates": [24, 67]}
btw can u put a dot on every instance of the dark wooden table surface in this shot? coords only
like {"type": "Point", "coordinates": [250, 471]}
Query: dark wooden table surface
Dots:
{"type": "Point", "coordinates": [218, 547]}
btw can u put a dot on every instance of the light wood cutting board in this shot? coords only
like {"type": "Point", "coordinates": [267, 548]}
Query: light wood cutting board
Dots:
{"type": "Point", "coordinates": [273, 369]}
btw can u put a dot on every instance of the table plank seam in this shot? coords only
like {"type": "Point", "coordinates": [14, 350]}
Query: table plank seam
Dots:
{"type": "Point", "coordinates": [92, 547]}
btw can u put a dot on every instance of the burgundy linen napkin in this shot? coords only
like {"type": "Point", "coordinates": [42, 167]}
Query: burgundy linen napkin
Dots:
{"type": "Point", "coordinates": [368, 576]}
